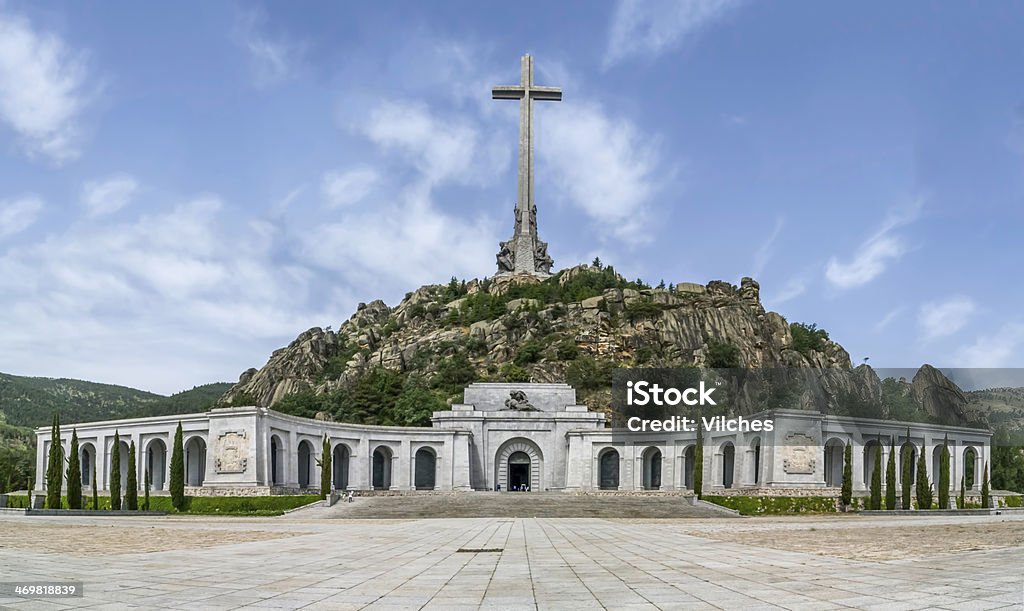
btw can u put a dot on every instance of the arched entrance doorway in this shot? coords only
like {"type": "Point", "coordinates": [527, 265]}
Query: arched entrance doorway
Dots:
{"type": "Point", "coordinates": [834, 450]}
{"type": "Point", "coordinates": [652, 469]}
{"type": "Point", "coordinates": [156, 463]}
{"type": "Point", "coordinates": [971, 470]}
{"type": "Point", "coordinates": [908, 458]}
{"type": "Point", "coordinates": [523, 459]}
{"type": "Point", "coordinates": [339, 466]}
{"type": "Point", "coordinates": [381, 476]}
{"type": "Point", "coordinates": [305, 463]}
{"type": "Point", "coordinates": [728, 464]}
{"type": "Point", "coordinates": [754, 461]}
{"type": "Point", "coordinates": [870, 449]}
{"type": "Point", "coordinates": [88, 461]}
{"type": "Point", "coordinates": [608, 467]}
{"type": "Point", "coordinates": [426, 469]}
{"type": "Point", "coordinates": [689, 464]}
{"type": "Point", "coordinates": [277, 460]}
{"type": "Point", "coordinates": [195, 461]}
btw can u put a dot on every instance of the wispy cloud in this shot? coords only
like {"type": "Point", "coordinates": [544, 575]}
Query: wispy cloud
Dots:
{"type": "Point", "coordinates": [605, 166]}
{"type": "Point", "coordinates": [109, 195]}
{"type": "Point", "coordinates": [875, 253]}
{"type": "Point", "coordinates": [351, 186]}
{"type": "Point", "coordinates": [648, 28]}
{"type": "Point", "coordinates": [939, 319]}
{"type": "Point", "coordinates": [273, 59]}
{"type": "Point", "coordinates": [889, 318]}
{"type": "Point", "coordinates": [793, 288]}
{"type": "Point", "coordinates": [764, 253]}
{"type": "Point", "coordinates": [18, 214]}
{"type": "Point", "coordinates": [1001, 349]}
{"type": "Point", "coordinates": [41, 88]}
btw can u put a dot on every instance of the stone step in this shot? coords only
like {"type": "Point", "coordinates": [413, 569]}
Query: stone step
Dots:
{"type": "Point", "coordinates": [518, 505]}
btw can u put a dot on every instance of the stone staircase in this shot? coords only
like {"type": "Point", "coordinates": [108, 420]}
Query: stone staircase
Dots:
{"type": "Point", "coordinates": [519, 505]}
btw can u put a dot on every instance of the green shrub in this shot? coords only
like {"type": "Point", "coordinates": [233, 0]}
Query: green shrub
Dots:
{"type": "Point", "coordinates": [567, 350]}
{"type": "Point", "coordinates": [722, 355]}
{"type": "Point", "coordinates": [529, 352]}
{"type": "Point", "coordinates": [1013, 501]}
{"type": "Point", "coordinates": [847, 490]}
{"type": "Point", "coordinates": [772, 505]}
{"type": "Point", "coordinates": [890, 478]}
{"type": "Point", "coordinates": [510, 372]}
{"type": "Point", "coordinates": [807, 338]}
{"type": "Point", "coordinates": [642, 309]}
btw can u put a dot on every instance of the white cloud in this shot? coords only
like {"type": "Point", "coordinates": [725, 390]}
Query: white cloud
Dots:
{"type": "Point", "coordinates": [344, 188]}
{"type": "Point", "coordinates": [1001, 349]}
{"type": "Point", "coordinates": [764, 253]}
{"type": "Point", "coordinates": [108, 196]}
{"type": "Point", "coordinates": [939, 319]}
{"type": "Point", "coordinates": [164, 301]}
{"type": "Point", "coordinates": [649, 28]}
{"type": "Point", "coordinates": [18, 214]}
{"type": "Point", "coordinates": [888, 319]}
{"type": "Point", "coordinates": [602, 165]}
{"type": "Point", "coordinates": [41, 84]}
{"type": "Point", "coordinates": [273, 60]}
{"type": "Point", "coordinates": [874, 254]}
{"type": "Point", "coordinates": [790, 291]}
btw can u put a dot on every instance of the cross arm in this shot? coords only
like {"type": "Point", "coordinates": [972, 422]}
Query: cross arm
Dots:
{"type": "Point", "coordinates": [546, 93]}
{"type": "Point", "coordinates": [507, 92]}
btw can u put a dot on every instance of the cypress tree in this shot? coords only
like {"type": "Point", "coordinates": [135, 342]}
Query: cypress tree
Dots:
{"type": "Point", "coordinates": [95, 495]}
{"type": "Point", "coordinates": [698, 461]}
{"type": "Point", "coordinates": [177, 484]}
{"type": "Point", "coordinates": [985, 500]}
{"type": "Point", "coordinates": [55, 467]}
{"type": "Point", "coordinates": [115, 473]}
{"type": "Point", "coordinates": [325, 468]}
{"type": "Point", "coordinates": [962, 501]}
{"type": "Point", "coordinates": [28, 499]}
{"type": "Point", "coordinates": [131, 492]}
{"type": "Point", "coordinates": [876, 480]}
{"type": "Point", "coordinates": [944, 475]}
{"type": "Point", "coordinates": [145, 501]}
{"type": "Point", "coordinates": [890, 477]}
{"type": "Point", "coordinates": [74, 474]}
{"type": "Point", "coordinates": [847, 492]}
{"type": "Point", "coordinates": [924, 487]}
{"type": "Point", "coordinates": [907, 475]}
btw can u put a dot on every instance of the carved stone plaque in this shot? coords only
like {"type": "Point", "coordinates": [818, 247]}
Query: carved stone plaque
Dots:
{"type": "Point", "coordinates": [799, 454]}
{"type": "Point", "coordinates": [232, 453]}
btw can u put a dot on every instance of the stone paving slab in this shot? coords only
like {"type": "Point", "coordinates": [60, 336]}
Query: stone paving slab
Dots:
{"type": "Point", "coordinates": [545, 563]}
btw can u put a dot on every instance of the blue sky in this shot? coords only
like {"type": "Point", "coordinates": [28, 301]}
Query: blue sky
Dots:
{"type": "Point", "coordinates": [181, 192]}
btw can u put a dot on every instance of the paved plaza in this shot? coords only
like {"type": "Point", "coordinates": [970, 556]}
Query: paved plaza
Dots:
{"type": "Point", "coordinates": [304, 561]}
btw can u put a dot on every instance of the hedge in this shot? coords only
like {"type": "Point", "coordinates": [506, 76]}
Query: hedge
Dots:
{"type": "Point", "coordinates": [767, 505]}
{"type": "Point", "coordinates": [204, 505]}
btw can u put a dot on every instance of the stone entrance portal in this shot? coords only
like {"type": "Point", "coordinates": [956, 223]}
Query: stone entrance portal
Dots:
{"type": "Point", "coordinates": [519, 471]}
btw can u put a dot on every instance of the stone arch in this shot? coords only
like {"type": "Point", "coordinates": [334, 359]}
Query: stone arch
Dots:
{"type": "Point", "coordinates": [306, 457]}
{"type": "Point", "coordinates": [754, 461]}
{"type": "Point", "coordinates": [339, 466]}
{"type": "Point", "coordinates": [278, 460]}
{"type": "Point", "coordinates": [87, 459]}
{"type": "Point", "coordinates": [425, 470]}
{"type": "Point", "coordinates": [380, 476]}
{"type": "Point", "coordinates": [908, 452]}
{"type": "Point", "coordinates": [727, 452]}
{"type": "Point", "coordinates": [650, 462]}
{"type": "Point", "coordinates": [689, 464]}
{"type": "Point", "coordinates": [156, 463]}
{"type": "Point", "coordinates": [195, 461]}
{"type": "Point", "coordinates": [869, 461]}
{"type": "Point", "coordinates": [530, 449]}
{"type": "Point", "coordinates": [834, 461]}
{"type": "Point", "coordinates": [936, 462]}
{"type": "Point", "coordinates": [972, 470]}
{"type": "Point", "coordinates": [608, 469]}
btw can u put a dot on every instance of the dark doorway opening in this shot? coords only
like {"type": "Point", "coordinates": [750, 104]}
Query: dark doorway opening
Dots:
{"type": "Point", "coordinates": [519, 472]}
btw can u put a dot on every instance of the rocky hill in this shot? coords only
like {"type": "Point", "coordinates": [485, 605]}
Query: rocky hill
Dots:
{"type": "Point", "coordinates": [393, 365]}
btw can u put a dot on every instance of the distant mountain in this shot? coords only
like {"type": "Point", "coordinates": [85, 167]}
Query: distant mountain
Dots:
{"type": "Point", "coordinates": [1004, 406]}
{"type": "Point", "coordinates": [31, 402]}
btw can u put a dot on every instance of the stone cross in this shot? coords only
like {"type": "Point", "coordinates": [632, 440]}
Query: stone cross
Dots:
{"type": "Point", "coordinates": [525, 253]}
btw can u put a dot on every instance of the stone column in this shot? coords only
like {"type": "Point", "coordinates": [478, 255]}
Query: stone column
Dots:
{"type": "Point", "coordinates": [292, 476]}
{"type": "Point", "coordinates": [857, 465]}
{"type": "Point", "coordinates": [460, 464]}
{"type": "Point", "coordinates": [575, 459]}
{"type": "Point", "coordinates": [403, 461]}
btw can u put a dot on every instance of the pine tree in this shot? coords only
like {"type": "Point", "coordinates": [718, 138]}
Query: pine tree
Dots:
{"type": "Point", "coordinates": [145, 501]}
{"type": "Point", "coordinates": [55, 467]}
{"type": "Point", "coordinates": [924, 487]}
{"type": "Point", "coordinates": [95, 493]}
{"type": "Point", "coordinates": [876, 480]}
{"type": "Point", "coordinates": [985, 500]}
{"type": "Point", "coordinates": [890, 477]}
{"type": "Point", "coordinates": [847, 492]}
{"type": "Point", "coordinates": [177, 484]}
{"type": "Point", "coordinates": [115, 473]}
{"type": "Point", "coordinates": [907, 474]}
{"type": "Point", "coordinates": [131, 492]}
{"type": "Point", "coordinates": [325, 468]}
{"type": "Point", "coordinates": [944, 475]}
{"type": "Point", "coordinates": [961, 502]}
{"type": "Point", "coordinates": [74, 474]}
{"type": "Point", "coordinates": [698, 461]}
